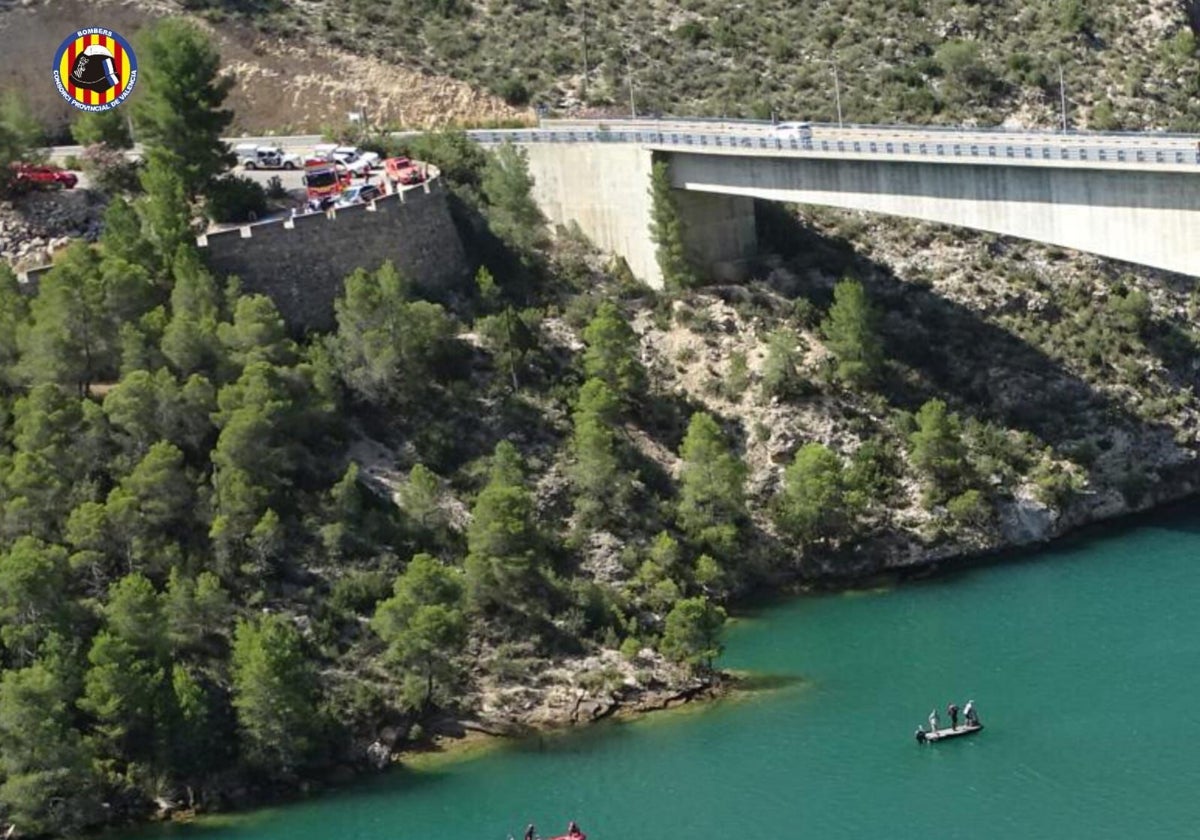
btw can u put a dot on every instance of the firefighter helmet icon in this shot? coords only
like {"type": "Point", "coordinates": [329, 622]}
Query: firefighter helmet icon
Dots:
{"type": "Point", "coordinates": [95, 69]}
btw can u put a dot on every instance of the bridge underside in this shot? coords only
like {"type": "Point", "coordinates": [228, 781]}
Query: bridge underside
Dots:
{"type": "Point", "coordinates": [1145, 217]}
{"type": "Point", "coordinates": [1149, 218]}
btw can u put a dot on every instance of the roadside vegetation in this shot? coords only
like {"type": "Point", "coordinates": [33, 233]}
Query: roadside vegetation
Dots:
{"type": "Point", "coordinates": [944, 61]}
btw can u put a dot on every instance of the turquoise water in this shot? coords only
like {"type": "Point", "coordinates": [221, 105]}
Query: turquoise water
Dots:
{"type": "Point", "coordinates": [1083, 661]}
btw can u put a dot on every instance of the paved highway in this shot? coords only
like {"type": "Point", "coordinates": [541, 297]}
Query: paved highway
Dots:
{"type": "Point", "coordinates": [1129, 150]}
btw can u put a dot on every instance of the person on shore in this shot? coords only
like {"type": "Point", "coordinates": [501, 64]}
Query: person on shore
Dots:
{"type": "Point", "coordinates": [531, 832]}
{"type": "Point", "coordinates": [933, 721]}
{"type": "Point", "coordinates": [972, 717]}
{"type": "Point", "coordinates": [952, 711]}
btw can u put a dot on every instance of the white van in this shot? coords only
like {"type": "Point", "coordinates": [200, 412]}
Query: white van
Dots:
{"type": "Point", "coordinates": [800, 132]}
{"type": "Point", "coordinates": [251, 156]}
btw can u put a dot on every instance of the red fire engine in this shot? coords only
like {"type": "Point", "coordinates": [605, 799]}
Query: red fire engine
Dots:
{"type": "Point", "coordinates": [324, 180]}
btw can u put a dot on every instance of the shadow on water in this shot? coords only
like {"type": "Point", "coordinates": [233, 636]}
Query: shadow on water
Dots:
{"type": "Point", "coordinates": [396, 781]}
{"type": "Point", "coordinates": [759, 683]}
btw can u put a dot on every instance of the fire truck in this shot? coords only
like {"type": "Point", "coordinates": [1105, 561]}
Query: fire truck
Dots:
{"type": "Point", "coordinates": [324, 180]}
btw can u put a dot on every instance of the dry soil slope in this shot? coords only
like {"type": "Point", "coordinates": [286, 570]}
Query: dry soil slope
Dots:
{"type": "Point", "coordinates": [283, 85]}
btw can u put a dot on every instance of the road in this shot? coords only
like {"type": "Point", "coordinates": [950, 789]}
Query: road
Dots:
{"type": "Point", "coordinates": [1150, 150]}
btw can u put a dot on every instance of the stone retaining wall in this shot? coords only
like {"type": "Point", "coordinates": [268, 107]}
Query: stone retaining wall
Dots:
{"type": "Point", "coordinates": [300, 263]}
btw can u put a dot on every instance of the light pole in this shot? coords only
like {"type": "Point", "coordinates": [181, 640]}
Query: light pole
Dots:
{"type": "Point", "coordinates": [583, 29]}
{"type": "Point", "coordinates": [629, 71]}
{"type": "Point", "coordinates": [1062, 98]}
{"type": "Point", "coordinates": [837, 92]}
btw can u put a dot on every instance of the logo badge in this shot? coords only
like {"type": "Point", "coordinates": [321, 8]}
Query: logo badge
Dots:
{"type": "Point", "coordinates": [95, 69]}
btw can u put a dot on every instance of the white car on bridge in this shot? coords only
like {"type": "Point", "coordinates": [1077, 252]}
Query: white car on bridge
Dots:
{"type": "Point", "coordinates": [800, 132]}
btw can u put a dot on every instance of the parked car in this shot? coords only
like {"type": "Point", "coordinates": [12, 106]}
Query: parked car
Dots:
{"type": "Point", "coordinates": [251, 156]}
{"type": "Point", "coordinates": [402, 171]}
{"type": "Point", "coordinates": [798, 131]}
{"type": "Point", "coordinates": [34, 176]}
{"type": "Point", "coordinates": [353, 158]}
{"type": "Point", "coordinates": [358, 195]}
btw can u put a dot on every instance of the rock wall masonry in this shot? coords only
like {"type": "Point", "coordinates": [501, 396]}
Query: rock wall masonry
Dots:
{"type": "Point", "coordinates": [300, 263]}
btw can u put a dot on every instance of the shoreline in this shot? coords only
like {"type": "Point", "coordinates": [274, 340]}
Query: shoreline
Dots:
{"type": "Point", "coordinates": [478, 735]}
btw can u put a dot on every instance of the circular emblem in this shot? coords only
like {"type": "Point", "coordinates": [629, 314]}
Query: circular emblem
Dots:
{"type": "Point", "coordinates": [95, 69]}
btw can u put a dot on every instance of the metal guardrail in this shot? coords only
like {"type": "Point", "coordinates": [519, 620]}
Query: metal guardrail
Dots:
{"type": "Point", "coordinates": [959, 149]}
{"type": "Point", "coordinates": [1072, 133]}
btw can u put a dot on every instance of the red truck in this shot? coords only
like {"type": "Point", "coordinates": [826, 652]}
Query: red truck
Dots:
{"type": "Point", "coordinates": [402, 171]}
{"type": "Point", "coordinates": [38, 176]}
{"type": "Point", "coordinates": [324, 181]}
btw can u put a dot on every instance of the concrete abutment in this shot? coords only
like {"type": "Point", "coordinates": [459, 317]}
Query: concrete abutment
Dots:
{"type": "Point", "coordinates": [605, 190]}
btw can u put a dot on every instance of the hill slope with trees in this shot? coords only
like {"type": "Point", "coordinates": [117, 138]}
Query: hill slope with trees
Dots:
{"type": "Point", "coordinates": [233, 559]}
{"type": "Point", "coordinates": [1129, 64]}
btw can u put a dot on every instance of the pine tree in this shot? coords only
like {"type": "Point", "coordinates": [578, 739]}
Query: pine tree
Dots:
{"type": "Point", "coordinates": [938, 451]}
{"type": "Point", "coordinates": [424, 627]}
{"type": "Point", "coordinates": [107, 127]}
{"type": "Point", "coordinates": [276, 695]}
{"type": "Point", "coordinates": [502, 539]}
{"type": "Point", "coordinates": [123, 236]}
{"type": "Point", "coordinates": [165, 211]}
{"type": "Point", "coordinates": [850, 332]}
{"type": "Point", "coordinates": [48, 784]}
{"type": "Point", "coordinates": [71, 340]}
{"type": "Point", "coordinates": [781, 369]}
{"type": "Point", "coordinates": [693, 632]}
{"type": "Point", "coordinates": [813, 504]}
{"type": "Point", "coordinates": [712, 497]}
{"type": "Point", "coordinates": [256, 334]}
{"type": "Point", "coordinates": [14, 310]}
{"type": "Point", "coordinates": [125, 688]}
{"type": "Point", "coordinates": [667, 231]}
{"type": "Point", "coordinates": [512, 212]}
{"type": "Point", "coordinates": [612, 353]}
{"type": "Point", "coordinates": [178, 110]}
{"type": "Point", "coordinates": [596, 473]}
{"type": "Point", "coordinates": [33, 597]}
{"type": "Point", "coordinates": [386, 344]}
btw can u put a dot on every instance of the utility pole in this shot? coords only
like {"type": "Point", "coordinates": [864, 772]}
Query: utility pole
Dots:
{"type": "Point", "coordinates": [583, 28]}
{"type": "Point", "coordinates": [1062, 98]}
{"type": "Point", "coordinates": [629, 71]}
{"type": "Point", "coordinates": [837, 93]}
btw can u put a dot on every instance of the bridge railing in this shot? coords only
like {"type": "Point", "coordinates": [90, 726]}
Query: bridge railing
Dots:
{"type": "Point", "coordinates": [959, 148]}
{"type": "Point", "coordinates": [1073, 133]}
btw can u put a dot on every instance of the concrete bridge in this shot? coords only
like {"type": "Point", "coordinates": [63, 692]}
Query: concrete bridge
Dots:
{"type": "Point", "coordinates": [1131, 197]}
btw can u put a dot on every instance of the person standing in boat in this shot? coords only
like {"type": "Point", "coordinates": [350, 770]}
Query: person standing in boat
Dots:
{"type": "Point", "coordinates": [531, 832]}
{"type": "Point", "coordinates": [972, 717]}
{"type": "Point", "coordinates": [933, 722]}
{"type": "Point", "coordinates": [952, 711]}
{"type": "Point", "coordinates": [920, 735]}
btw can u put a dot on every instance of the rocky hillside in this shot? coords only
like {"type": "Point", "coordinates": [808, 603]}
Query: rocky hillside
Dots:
{"type": "Point", "coordinates": [1130, 63]}
{"type": "Point", "coordinates": [1073, 379]}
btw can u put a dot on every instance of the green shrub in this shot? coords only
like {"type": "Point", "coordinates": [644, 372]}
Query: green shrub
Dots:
{"type": "Point", "coordinates": [970, 509]}
{"type": "Point", "coordinates": [232, 198]}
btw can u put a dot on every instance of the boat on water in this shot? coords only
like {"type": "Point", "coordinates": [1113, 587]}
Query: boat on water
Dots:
{"type": "Point", "coordinates": [955, 732]}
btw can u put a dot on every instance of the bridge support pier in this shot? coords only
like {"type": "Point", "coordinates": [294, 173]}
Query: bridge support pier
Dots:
{"type": "Point", "coordinates": [719, 234]}
{"type": "Point", "coordinates": [605, 190]}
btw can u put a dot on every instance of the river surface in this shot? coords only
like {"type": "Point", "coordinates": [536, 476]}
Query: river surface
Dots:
{"type": "Point", "coordinates": [1083, 660]}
